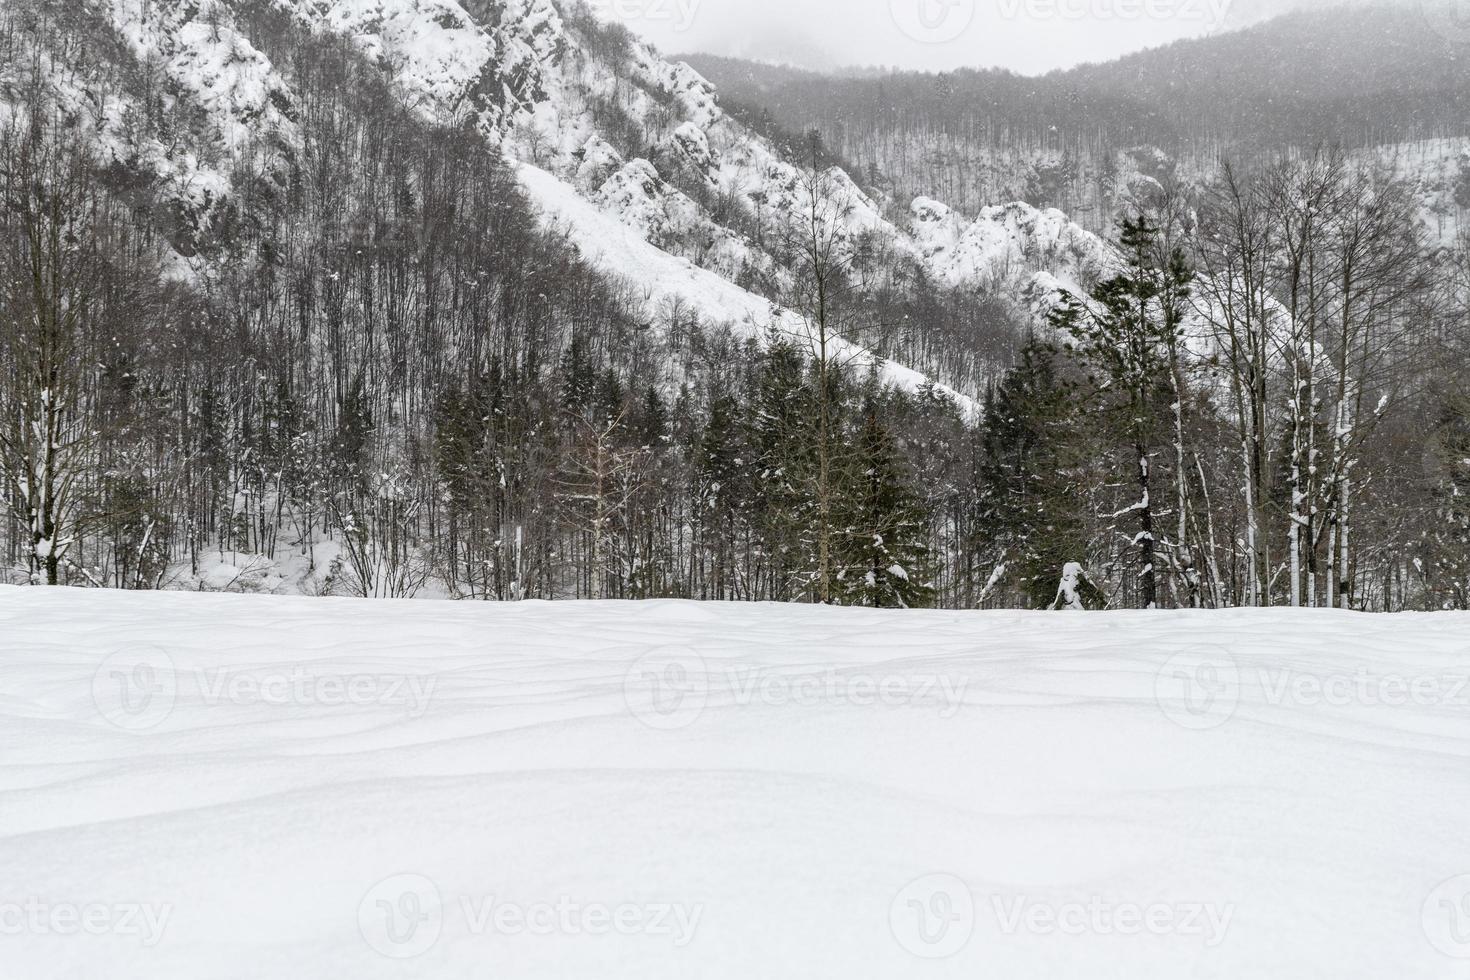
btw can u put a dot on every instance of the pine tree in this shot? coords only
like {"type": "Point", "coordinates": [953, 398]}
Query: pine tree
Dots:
{"type": "Point", "coordinates": [784, 436]}
{"type": "Point", "coordinates": [883, 557]}
{"type": "Point", "coordinates": [1125, 334]}
{"type": "Point", "coordinates": [722, 494]}
{"type": "Point", "coordinates": [1031, 506]}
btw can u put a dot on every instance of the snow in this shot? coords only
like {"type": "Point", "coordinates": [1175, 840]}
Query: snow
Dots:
{"type": "Point", "coordinates": [694, 144]}
{"type": "Point", "coordinates": [636, 196]}
{"type": "Point", "coordinates": [440, 54]}
{"type": "Point", "coordinates": [1010, 247]}
{"type": "Point", "coordinates": [620, 250]}
{"type": "Point", "coordinates": [236, 85]}
{"type": "Point", "coordinates": [1435, 166]}
{"type": "Point", "coordinates": [1069, 592]}
{"type": "Point", "coordinates": [201, 786]}
{"type": "Point", "coordinates": [537, 90]}
{"type": "Point", "coordinates": [436, 48]}
{"type": "Point", "coordinates": [232, 81]}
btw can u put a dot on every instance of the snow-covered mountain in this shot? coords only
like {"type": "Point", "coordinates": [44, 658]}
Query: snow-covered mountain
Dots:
{"type": "Point", "coordinates": [629, 155]}
{"type": "Point", "coordinates": [1370, 76]}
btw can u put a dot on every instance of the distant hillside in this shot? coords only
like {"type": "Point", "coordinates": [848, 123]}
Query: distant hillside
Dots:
{"type": "Point", "coordinates": [1356, 75]}
{"type": "Point", "coordinates": [1081, 139]}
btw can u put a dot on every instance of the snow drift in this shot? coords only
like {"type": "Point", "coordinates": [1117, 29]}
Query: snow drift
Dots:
{"type": "Point", "coordinates": [207, 786]}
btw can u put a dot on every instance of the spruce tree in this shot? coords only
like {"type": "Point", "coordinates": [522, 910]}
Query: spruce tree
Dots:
{"type": "Point", "coordinates": [722, 495]}
{"type": "Point", "coordinates": [884, 557]}
{"type": "Point", "coordinates": [1125, 334]}
{"type": "Point", "coordinates": [1032, 507]}
{"type": "Point", "coordinates": [784, 434]}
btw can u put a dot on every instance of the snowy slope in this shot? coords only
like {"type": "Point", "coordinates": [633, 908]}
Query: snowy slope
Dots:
{"type": "Point", "coordinates": [642, 140]}
{"type": "Point", "coordinates": [1440, 170]}
{"type": "Point", "coordinates": [665, 280]}
{"type": "Point", "coordinates": [197, 787]}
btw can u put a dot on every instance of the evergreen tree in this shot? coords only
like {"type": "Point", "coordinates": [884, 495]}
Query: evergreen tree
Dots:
{"type": "Point", "coordinates": [354, 434]}
{"type": "Point", "coordinates": [1126, 333]}
{"type": "Point", "coordinates": [784, 436]}
{"type": "Point", "coordinates": [722, 492]}
{"type": "Point", "coordinates": [1448, 541]}
{"type": "Point", "coordinates": [1032, 510]}
{"type": "Point", "coordinates": [578, 377]}
{"type": "Point", "coordinates": [651, 424]}
{"type": "Point", "coordinates": [883, 557]}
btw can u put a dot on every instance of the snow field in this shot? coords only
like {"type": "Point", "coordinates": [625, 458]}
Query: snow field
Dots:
{"type": "Point", "coordinates": [205, 786]}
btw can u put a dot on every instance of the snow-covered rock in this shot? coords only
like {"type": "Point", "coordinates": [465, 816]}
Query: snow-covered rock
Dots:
{"type": "Point", "coordinates": [599, 161]}
{"type": "Point", "coordinates": [1009, 244]}
{"type": "Point", "coordinates": [694, 145]}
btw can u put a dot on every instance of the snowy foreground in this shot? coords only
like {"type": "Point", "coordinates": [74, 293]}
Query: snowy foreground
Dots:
{"type": "Point", "coordinates": [195, 787]}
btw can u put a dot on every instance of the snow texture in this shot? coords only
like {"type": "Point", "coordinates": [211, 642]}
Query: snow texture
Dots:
{"type": "Point", "coordinates": [226, 786]}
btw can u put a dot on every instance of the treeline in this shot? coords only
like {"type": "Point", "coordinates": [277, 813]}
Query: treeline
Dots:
{"type": "Point", "coordinates": [1268, 406]}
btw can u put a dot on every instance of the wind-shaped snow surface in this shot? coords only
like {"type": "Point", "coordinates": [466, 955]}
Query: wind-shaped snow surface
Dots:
{"type": "Point", "coordinates": [197, 787]}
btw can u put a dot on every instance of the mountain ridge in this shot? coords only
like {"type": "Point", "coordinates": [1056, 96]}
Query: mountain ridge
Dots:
{"type": "Point", "coordinates": [1362, 76]}
{"type": "Point", "coordinates": [642, 139]}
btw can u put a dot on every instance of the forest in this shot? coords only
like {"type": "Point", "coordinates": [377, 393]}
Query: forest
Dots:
{"type": "Point", "coordinates": [393, 381]}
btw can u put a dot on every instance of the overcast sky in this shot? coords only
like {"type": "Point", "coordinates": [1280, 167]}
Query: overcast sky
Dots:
{"type": "Point", "coordinates": [1029, 36]}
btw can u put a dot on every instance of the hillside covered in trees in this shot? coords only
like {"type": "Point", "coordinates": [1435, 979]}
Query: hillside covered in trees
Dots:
{"type": "Point", "coordinates": [289, 306]}
{"type": "Point", "coordinates": [1084, 139]}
